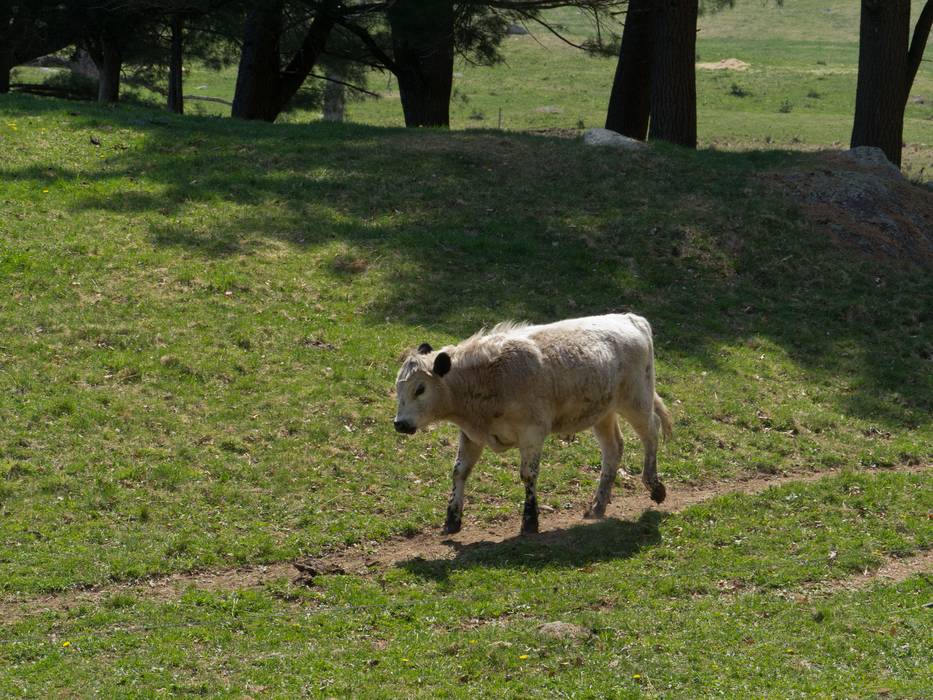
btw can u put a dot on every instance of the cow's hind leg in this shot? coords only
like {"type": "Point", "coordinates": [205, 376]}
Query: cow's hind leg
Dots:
{"type": "Point", "coordinates": [467, 456]}
{"type": "Point", "coordinates": [610, 446]}
{"type": "Point", "coordinates": [531, 459]}
{"type": "Point", "coordinates": [647, 425]}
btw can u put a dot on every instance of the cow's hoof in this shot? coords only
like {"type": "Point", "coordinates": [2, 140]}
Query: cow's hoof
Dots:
{"type": "Point", "coordinates": [454, 520]}
{"type": "Point", "coordinates": [658, 492]}
{"type": "Point", "coordinates": [594, 512]}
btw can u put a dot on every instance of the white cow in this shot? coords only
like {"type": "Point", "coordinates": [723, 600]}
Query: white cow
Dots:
{"type": "Point", "coordinates": [514, 385]}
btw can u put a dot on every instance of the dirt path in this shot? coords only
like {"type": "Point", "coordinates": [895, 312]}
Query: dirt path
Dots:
{"type": "Point", "coordinates": [630, 502]}
{"type": "Point", "coordinates": [892, 571]}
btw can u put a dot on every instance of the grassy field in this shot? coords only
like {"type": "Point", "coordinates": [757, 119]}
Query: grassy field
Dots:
{"type": "Point", "coordinates": [797, 93]}
{"type": "Point", "coordinates": [706, 608]}
{"type": "Point", "coordinates": [201, 323]}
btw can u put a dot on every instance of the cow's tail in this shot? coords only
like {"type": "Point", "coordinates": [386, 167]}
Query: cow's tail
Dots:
{"type": "Point", "coordinates": [660, 410]}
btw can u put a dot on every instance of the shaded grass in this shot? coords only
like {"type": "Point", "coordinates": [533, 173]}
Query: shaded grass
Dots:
{"type": "Point", "coordinates": [794, 49]}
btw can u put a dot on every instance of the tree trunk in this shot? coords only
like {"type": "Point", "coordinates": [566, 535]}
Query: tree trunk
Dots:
{"type": "Point", "coordinates": [423, 48]}
{"type": "Point", "coordinates": [881, 95]}
{"type": "Point", "coordinates": [297, 70]}
{"type": "Point", "coordinates": [257, 80]}
{"type": "Point", "coordinates": [6, 67]}
{"type": "Point", "coordinates": [673, 73]}
{"type": "Point", "coordinates": [918, 43]}
{"type": "Point", "coordinates": [176, 99]}
{"type": "Point", "coordinates": [7, 23]}
{"type": "Point", "coordinates": [111, 62]}
{"type": "Point", "coordinates": [630, 100]}
{"type": "Point", "coordinates": [263, 89]}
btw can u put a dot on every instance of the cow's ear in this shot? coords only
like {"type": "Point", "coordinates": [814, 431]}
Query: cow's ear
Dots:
{"type": "Point", "coordinates": [424, 348]}
{"type": "Point", "coordinates": [441, 364]}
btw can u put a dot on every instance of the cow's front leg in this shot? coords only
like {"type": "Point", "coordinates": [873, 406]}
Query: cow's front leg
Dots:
{"type": "Point", "coordinates": [467, 456]}
{"type": "Point", "coordinates": [531, 458]}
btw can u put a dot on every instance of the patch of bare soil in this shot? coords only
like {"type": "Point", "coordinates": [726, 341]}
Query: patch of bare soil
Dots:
{"type": "Point", "coordinates": [158, 588]}
{"type": "Point", "coordinates": [631, 501]}
{"type": "Point", "coordinates": [894, 570]}
{"type": "Point", "coordinates": [563, 630]}
{"type": "Point", "coordinates": [862, 202]}
{"type": "Point", "coordinates": [724, 64]}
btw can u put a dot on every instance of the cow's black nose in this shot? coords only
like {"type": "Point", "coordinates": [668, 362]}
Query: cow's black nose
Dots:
{"type": "Point", "coordinates": [403, 427]}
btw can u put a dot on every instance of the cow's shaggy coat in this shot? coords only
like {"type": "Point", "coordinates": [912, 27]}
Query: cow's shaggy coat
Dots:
{"type": "Point", "coordinates": [515, 384]}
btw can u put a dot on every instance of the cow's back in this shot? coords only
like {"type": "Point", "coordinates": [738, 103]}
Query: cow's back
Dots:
{"type": "Point", "coordinates": [594, 343]}
{"type": "Point", "coordinates": [566, 374]}
{"type": "Point", "coordinates": [588, 364]}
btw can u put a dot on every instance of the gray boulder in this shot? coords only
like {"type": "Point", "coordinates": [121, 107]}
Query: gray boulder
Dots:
{"type": "Point", "coordinates": [606, 137]}
{"type": "Point", "coordinates": [871, 155]}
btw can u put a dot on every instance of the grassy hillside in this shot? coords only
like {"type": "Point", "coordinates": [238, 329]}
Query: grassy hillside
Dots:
{"type": "Point", "coordinates": [202, 319]}
{"type": "Point", "coordinates": [798, 91]}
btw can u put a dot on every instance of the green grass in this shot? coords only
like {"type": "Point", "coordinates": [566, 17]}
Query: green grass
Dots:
{"type": "Point", "coordinates": [204, 318]}
{"type": "Point", "coordinates": [653, 594]}
{"type": "Point", "coordinates": [201, 320]}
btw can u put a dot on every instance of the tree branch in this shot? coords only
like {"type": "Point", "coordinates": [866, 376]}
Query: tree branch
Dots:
{"type": "Point", "coordinates": [349, 85]}
{"type": "Point", "coordinates": [532, 18]}
{"type": "Point", "coordinates": [306, 57]}
{"type": "Point", "coordinates": [370, 43]}
{"type": "Point", "coordinates": [352, 58]}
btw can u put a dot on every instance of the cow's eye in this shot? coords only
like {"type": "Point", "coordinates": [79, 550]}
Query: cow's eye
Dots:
{"type": "Point", "coordinates": [420, 390]}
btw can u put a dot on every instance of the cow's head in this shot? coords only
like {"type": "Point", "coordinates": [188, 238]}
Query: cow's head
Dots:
{"type": "Point", "coordinates": [423, 395]}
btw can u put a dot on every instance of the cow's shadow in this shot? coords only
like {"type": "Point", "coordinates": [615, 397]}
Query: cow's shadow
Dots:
{"type": "Point", "coordinates": [570, 547]}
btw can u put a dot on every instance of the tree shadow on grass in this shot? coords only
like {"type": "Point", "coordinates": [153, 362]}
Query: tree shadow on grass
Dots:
{"type": "Point", "coordinates": [570, 547]}
{"type": "Point", "coordinates": [485, 227]}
